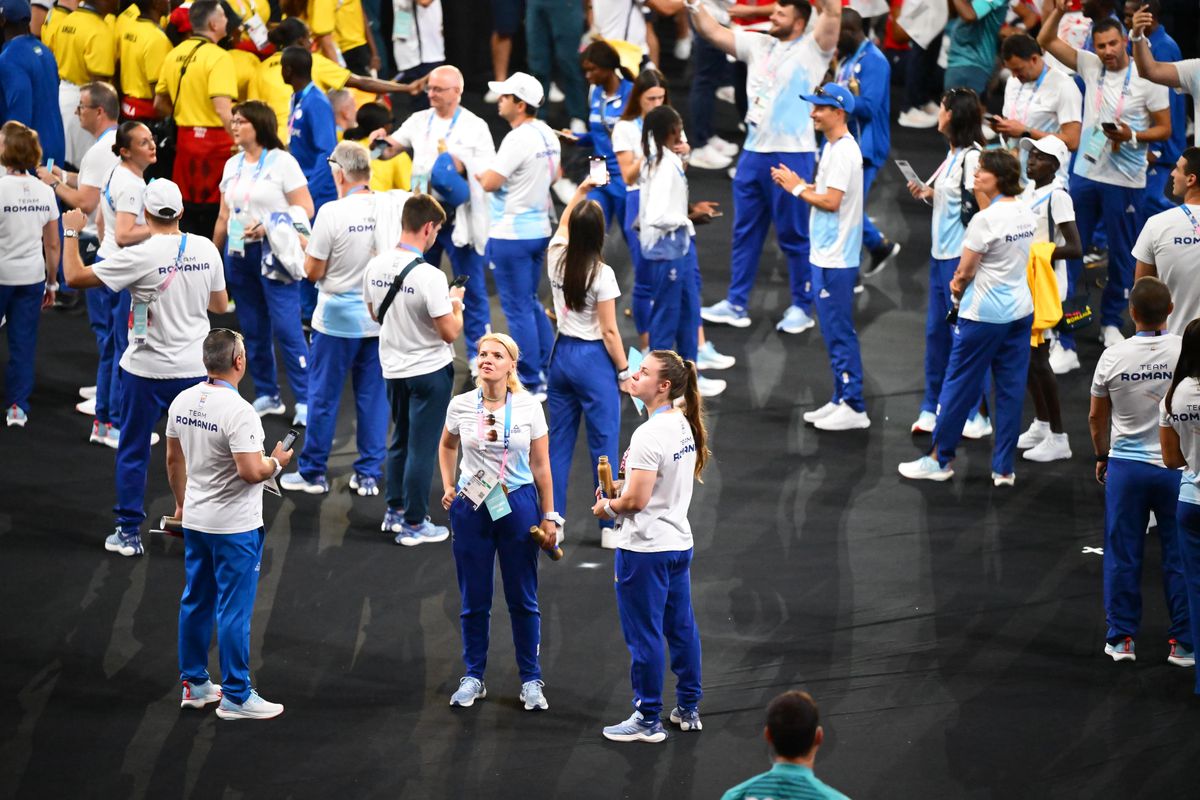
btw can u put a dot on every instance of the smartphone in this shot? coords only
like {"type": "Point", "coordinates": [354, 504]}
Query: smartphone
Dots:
{"type": "Point", "coordinates": [716, 214]}
{"type": "Point", "coordinates": [461, 280]}
{"type": "Point", "coordinates": [378, 147]}
{"type": "Point", "coordinates": [50, 165]}
{"type": "Point", "coordinates": [598, 171]}
{"type": "Point", "coordinates": [1111, 127]}
{"type": "Point", "coordinates": [290, 439]}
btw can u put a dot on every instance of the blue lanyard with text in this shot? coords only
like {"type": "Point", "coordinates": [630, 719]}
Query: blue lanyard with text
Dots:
{"type": "Point", "coordinates": [1024, 119]}
{"type": "Point", "coordinates": [357, 189]}
{"type": "Point", "coordinates": [219, 382]}
{"type": "Point", "coordinates": [453, 122]}
{"type": "Point", "coordinates": [1120, 101]}
{"type": "Point", "coordinates": [1043, 198]}
{"type": "Point", "coordinates": [1191, 218]}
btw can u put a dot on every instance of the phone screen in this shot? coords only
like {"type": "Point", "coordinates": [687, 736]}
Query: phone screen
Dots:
{"type": "Point", "coordinates": [598, 172]}
{"type": "Point", "coordinates": [289, 439]}
{"type": "Point", "coordinates": [1108, 126]}
{"type": "Point", "coordinates": [461, 280]}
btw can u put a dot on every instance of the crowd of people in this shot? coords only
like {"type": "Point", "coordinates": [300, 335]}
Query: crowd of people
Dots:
{"type": "Point", "coordinates": [216, 156]}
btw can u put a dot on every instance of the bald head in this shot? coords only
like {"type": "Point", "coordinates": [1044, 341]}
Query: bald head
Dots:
{"type": "Point", "coordinates": [445, 89]}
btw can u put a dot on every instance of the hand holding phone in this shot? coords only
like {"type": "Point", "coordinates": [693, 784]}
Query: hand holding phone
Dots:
{"type": "Point", "coordinates": [598, 172]}
{"type": "Point", "coordinates": [289, 439]}
{"type": "Point", "coordinates": [460, 281]}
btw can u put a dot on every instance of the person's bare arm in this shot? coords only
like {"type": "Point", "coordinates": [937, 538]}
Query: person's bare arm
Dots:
{"type": "Point", "coordinates": [303, 198]}
{"type": "Point", "coordinates": [1161, 72]}
{"type": "Point", "coordinates": [965, 10]}
{"type": "Point", "coordinates": [490, 180]}
{"type": "Point", "coordinates": [968, 265]}
{"type": "Point", "coordinates": [1098, 421]}
{"type": "Point", "coordinates": [163, 106]}
{"type": "Point", "coordinates": [77, 274]}
{"type": "Point", "coordinates": [218, 302]}
{"type": "Point", "coordinates": [449, 326]}
{"type": "Point", "coordinates": [539, 465]}
{"type": "Point", "coordinates": [1143, 270]}
{"type": "Point", "coordinates": [1072, 246]}
{"type": "Point", "coordinates": [256, 467]}
{"type": "Point", "coordinates": [447, 456]}
{"type": "Point", "coordinates": [127, 232]}
{"type": "Point", "coordinates": [224, 108]}
{"type": "Point", "coordinates": [721, 37]}
{"type": "Point", "coordinates": [314, 268]}
{"type": "Point", "coordinates": [1052, 14]}
{"type": "Point", "coordinates": [176, 473]}
{"type": "Point", "coordinates": [1172, 455]}
{"type": "Point", "coordinates": [828, 24]}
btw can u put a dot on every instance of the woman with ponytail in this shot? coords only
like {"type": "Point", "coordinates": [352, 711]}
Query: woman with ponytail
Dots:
{"type": "Point", "coordinates": [1179, 435]}
{"type": "Point", "coordinates": [654, 540]}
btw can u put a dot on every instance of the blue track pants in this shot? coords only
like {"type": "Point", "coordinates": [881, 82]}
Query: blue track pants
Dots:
{"type": "Point", "coordinates": [833, 296]}
{"type": "Point", "coordinates": [519, 265]}
{"type": "Point", "coordinates": [21, 306]}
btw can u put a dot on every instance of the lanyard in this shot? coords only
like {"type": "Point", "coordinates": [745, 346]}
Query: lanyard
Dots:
{"type": "Point", "coordinates": [410, 249]}
{"type": "Point", "coordinates": [604, 101]}
{"type": "Point", "coordinates": [1024, 118]}
{"type": "Point", "coordinates": [453, 122]}
{"type": "Point", "coordinates": [174, 269]}
{"type": "Point", "coordinates": [1120, 101]}
{"type": "Point", "coordinates": [362, 188]}
{"type": "Point", "coordinates": [1149, 333]}
{"type": "Point", "coordinates": [263, 158]}
{"type": "Point", "coordinates": [951, 159]}
{"type": "Point", "coordinates": [662, 410]}
{"type": "Point", "coordinates": [771, 66]}
{"type": "Point", "coordinates": [219, 382]}
{"type": "Point", "coordinates": [507, 430]}
{"type": "Point", "coordinates": [1043, 198]}
{"type": "Point", "coordinates": [1191, 218]}
{"type": "Point", "coordinates": [847, 68]}
{"type": "Point", "coordinates": [296, 101]}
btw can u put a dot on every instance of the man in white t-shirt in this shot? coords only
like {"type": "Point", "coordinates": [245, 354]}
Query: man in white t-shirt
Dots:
{"type": "Point", "coordinates": [451, 136]}
{"type": "Point", "coordinates": [1169, 245]}
{"type": "Point", "coordinates": [519, 179]}
{"type": "Point", "coordinates": [783, 64]}
{"type": "Point", "coordinates": [345, 338]}
{"type": "Point", "coordinates": [1038, 100]}
{"type": "Point", "coordinates": [1131, 379]}
{"type": "Point", "coordinates": [216, 468]}
{"type": "Point", "coordinates": [836, 228]}
{"type": "Point", "coordinates": [174, 281]}
{"type": "Point", "coordinates": [418, 43]}
{"type": "Point", "coordinates": [1183, 75]}
{"type": "Point", "coordinates": [1121, 113]}
{"type": "Point", "coordinates": [420, 316]}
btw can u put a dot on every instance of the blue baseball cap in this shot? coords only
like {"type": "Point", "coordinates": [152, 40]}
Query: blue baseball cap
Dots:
{"type": "Point", "coordinates": [831, 94]}
{"type": "Point", "coordinates": [15, 10]}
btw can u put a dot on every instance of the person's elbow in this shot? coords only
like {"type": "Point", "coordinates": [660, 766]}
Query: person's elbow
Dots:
{"type": "Point", "coordinates": [1174, 460]}
{"type": "Point", "coordinates": [218, 302]}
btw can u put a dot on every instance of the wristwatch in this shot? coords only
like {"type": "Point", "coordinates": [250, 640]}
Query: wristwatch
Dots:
{"type": "Point", "coordinates": [623, 375]}
{"type": "Point", "coordinates": [70, 233]}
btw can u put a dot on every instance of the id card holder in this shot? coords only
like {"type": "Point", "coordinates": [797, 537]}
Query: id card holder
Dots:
{"type": "Point", "coordinates": [237, 237]}
{"type": "Point", "coordinates": [497, 503]}
{"type": "Point", "coordinates": [1096, 144]}
{"type": "Point", "coordinates": [139, 323]}
{"type": "Point", "coordinates": [420, 183]}
{"type": "Point", "coordinates": [757, 111]}
{"type": "Point", "coordinates": [478, 488]}
{"type": "Point", "coordinates": [403, 24]}
{"type": "Point", "coordinates": [257, 30]}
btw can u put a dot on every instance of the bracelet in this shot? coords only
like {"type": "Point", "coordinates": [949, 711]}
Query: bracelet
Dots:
{"type": "Point", "coordinates": [54, 186]}
{"type": "Point", "coordinates": [799, 188]}
{"type": "Point", "coordinates": [692, 6]}
{"type": "Point", "coordinates": [458, 300]}
{"type": "Point", "coordinates": [1140, 38]}
{"type": "Point", "coordinates": [51, 287]}
{"type": "Point", "coordinates": [278, 466]}
{"type": "Point", "coordinates": [70, 233]}
{"type": "Point", "coordinates": [1133, 137]}
{"type": "Point", "coordinates": [608, 510]}
{"type": "Point", "coordinates": [623, 375]}
{"type": "Point", "coordinates": [1102, 459]}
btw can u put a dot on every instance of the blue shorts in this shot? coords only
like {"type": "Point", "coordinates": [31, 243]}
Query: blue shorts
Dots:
{"type": "Point", "coordinates": [508, 16]}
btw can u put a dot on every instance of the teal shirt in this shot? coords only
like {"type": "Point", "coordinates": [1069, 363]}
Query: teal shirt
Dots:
{"type": "Point", "coordinates": [974, 44]}
{"type": "Point", "coordinates": [784, 782]}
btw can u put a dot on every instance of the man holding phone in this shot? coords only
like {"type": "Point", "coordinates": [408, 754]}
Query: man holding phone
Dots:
{"type": "Point", "coordinates": [419, 316]}
{"type": "Point", "coordinates": [216, 468]}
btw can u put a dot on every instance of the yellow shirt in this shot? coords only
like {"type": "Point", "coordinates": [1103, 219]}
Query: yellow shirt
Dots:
{"type": "Point", "coordinates": [142, 48]}
{"type": "Point", "coordinates": [322, 17]}
{"type": "Point", "coordinates": [328, 75]}
{"type": "Point", "coordinates": [122, 23]}
{"type": "Point", "coordinates": [88, 47]}
{"type": "Point", "coordinates": [260, 8]}
{"type": "Point", "coordinates": [50, 28]}
{"type": "Point", "coordinates": [395, 173]}
{"type": "Point", "coordinates": [210, 73]}
{"type": "Point", "coordinates": [349, 30]}
{"type": "Point", "coordinates": [245, 65]}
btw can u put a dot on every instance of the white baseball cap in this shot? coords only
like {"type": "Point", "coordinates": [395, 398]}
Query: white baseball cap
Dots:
{"type": "Point", "coordinates": [522, 86]}
{"type": "Point", "coordinates": [1050, 145]}
{"type": "Point", "coordinates": [163, 199]}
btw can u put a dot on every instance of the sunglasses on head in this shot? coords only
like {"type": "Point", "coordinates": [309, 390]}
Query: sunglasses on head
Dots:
{"type": "Point", "coordinates": [820, 92]}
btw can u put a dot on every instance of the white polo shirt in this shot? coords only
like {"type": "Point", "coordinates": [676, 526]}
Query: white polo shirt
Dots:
{"type": "Point", "coordinates": [583, 324]}
{"type": "Point", "coordinates": [836, 236]}
{"type": "Point", "coordinates": [528, 159]}
{"type": "Point", "coordinates": [948, 185]}
{"type": "Point", "coordinates": [409, 344]}
{"type": "Point", "coordinates": [344, 237]}
{"type": "Point", "coordinates": [122, 191]}
{"type": "Point", "coordinates": [1045, 104]}
{"type": "Point", "coordinates": [1189, 81]}
{"type": "Point", "coordinates": [663, 445]}
{"type": "Point", "coordinates": [26, 205]}
{"type": "Point", "coordinates": [94, 169]}
{"type": "Point", "coordinates": [258, 189]}
{"type": "Point", "coordinates": [1003, 233]}
{"type": "Point", "coordinates": [1184, 417]}
{"type": "Point", "coordinates": [527, 424]}
{"type": "Point", "coordinates": [466, 138]}
{"type": "Point", "coordinates": [1135, 376]}
{"type": "Point", "coordinates": [1171, 243]}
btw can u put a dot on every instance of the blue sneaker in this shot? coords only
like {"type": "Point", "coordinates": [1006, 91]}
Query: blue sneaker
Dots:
{"type": "Point", "coordinates": [269, 405]}
{"type": "Point", "coordinates": [725, 313]}
{"type": "Point", "coordinates": [688, 719]}
{"type": "Point", "coordinates": [198, 695]}
{"type": "Point", "coordinates": [295, 482]}
{"type": "Point", "coordinates": [532, 696]}
{"type": "Point", "coordinates": [16, 417]}
{"type": "Point", "coordinates": [1121, 650]}
{"type": "Point", "coordinates": [254, 708]}
{"type": "Point", "coordinates": [127, 544]}
{"type": "Point", "coordinates": [365, 485]}
{"type": "Point", "coordinates": [393, 520]}
{"type": "Point", "coordinates": [426, 532]}
{"type": "Point", "coordinates": [1181, 656]}
{"type": "Point", "coordinates": [300, 420]}
{"type": "Point", "coordinates": [637, 729]}
{"type": "Point", "coordinates": [469, 690]}
{"type": "Point", "coordinates": [795, 320]}
{"type": "Point", "coordinates": [708, 358]}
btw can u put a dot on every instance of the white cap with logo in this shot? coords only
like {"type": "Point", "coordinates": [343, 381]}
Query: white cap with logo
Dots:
{"type": "Point", "coordinates": [1050, 145]}
{"type": "Point", "coordinates": [522, 86]}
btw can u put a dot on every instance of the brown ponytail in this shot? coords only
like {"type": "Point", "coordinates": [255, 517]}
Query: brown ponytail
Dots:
{"type": "Point", "coordinates": [685, 383]}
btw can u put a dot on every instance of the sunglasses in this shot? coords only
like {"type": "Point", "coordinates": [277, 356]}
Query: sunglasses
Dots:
{"type": "Point", "coordinates": [233, 348]}
{"type": "Point", "coordinates": [820, 92]}
{"type": "Point", "coordinates": [491, 436]}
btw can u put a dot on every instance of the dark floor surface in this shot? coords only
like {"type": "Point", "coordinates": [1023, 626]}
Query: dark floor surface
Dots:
{"type": "Point", "coordinates": [952, 633]}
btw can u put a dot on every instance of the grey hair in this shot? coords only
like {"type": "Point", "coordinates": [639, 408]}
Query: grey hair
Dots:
{"type": "Point", "coordinates": [338, 97]}
{"type": "Point", "coordinates": [104, 97]}
{"type": "Point", "coordinates": [354, 160]}
{"type": "Point", "coordinates": [221, 347]}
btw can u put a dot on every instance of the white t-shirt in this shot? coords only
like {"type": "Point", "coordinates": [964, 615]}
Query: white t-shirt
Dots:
{"type": "Point", "coordinates": [122, 191]}
{"type": "Point", "coordinates": [527, 424]}
{"type": "Point", "coordinates": [1135, 376]}
{"type": "Point", "coordinates": [1045, 104]}
{"type": "Point", "coordinates": [417, 36]}
{"type": "Point", "coordinates": [626, 138]}
{"type": "Point", "coordinates": [1003, 232]}
{"type": "Point", "coordinates": [621, 20]}
{"type": "Point", "coordinates": [580, 324]}
{"type": "Point", "coordinates": [212, 422]}
{"type": "Point", "coordinates": [1051, 201]}
{"type": "Point", "coordinates": [178, 316]}
{"type": "Point", "coordinates": [1127, 167]}
{"type": "Point", "coordinates": [94, 169]}
{"type": "Point", "coordinates": [344, 237]}
{"type": "Point", "coordinates": [466, 135]}
{"type": "Point", "coordinates": [1189, 81]}
{"type": "Point", "coordinates": [26, 205]}
{"type": "Point", "coordinates": [409, 344]}
{"type": "Point", "coordinates": [777, 74]}
{"type": "Point", "coordinates": [1171, 243]}
{"type": "Point", "coordinates": [837, 235]}
{"type": "Point", "coordinates": [256, 190]}
{"type": "Point", "coordinates": [664, 445]}
{"type": "Point", "coordinates": [528, 159]}
{"type": "Point", "coordinates": [947, 201]}
{"type": "Point", "coordinates": [1184, 417]}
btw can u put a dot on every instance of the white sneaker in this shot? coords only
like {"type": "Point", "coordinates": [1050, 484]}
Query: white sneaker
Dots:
{"type": "Point", "coordinates": [254, 708]}
{"type": "Point", "coordinates": [1111, 335]}
{"type": "Point", "coordinates": [1055, 447]}
{"type": "Point", "coordinates": [556, 95]}
{"type": "Point", "coordinates": [709, 358]}
{"type": "Point", "coordinates": [821, 413]}
{"type": "Point", "coordinates": [608, 538]}
{"type": "Point", "coordinates": [564, 189]}
{"type": "Point", "coordinates": [1004, 480]}
{"type": "Point", "coordinates": [87, 392]}
{"type": "Point", "coordinates": [977, 427]}
{"type": "Point", "coordinates": [925, 422]}
{"type": "Point", "coordinates": [491, 97]}
{"type": "Point", "coordinates": [925, 468]}
{"type": "Point", "coordinates": [726, 94]}
{"type": "Point", "coordinates": [710, 387]}
{"type": "Point", "coordinates": [917, 118]}
{"type": "Point", "coordinates": [198, 695]}
{"type": "Point", "coordinates": [731, 172]}
{"type": "Point", "coordinates": [795, 320]}
{"type": "Point", "coordinates": [708, 157]}
{"type": "Point", "coordinates": [721, 146]}
{"type": "Point", "coordinates": [113, 437]}
{"type": "Point", "coordinates": [843, 418]}
{"type": "Point", "coordinates": [578, 126]}
{"type": "Point", "coordinates": [1062, 360]}
{"type": "Point", "coordinates": [1038, 430]}
{"type": "Point", "coordinates": [683, 48]}
{"type": "Point", "coordinates": [87, 407]}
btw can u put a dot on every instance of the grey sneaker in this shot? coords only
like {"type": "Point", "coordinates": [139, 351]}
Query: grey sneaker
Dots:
{"type": "Point", "coordinates": [532, 696]}
{"type": "Point", "coordinates": [469, 690]}
{"type": "Point", "coordinates": [688, 719]}
{"type": "Point", "coordinates": [254, 708]}
{"type": "Point", "coordinates": [637, 729]}
{"type": "Point", "coordinates": [126, 544]}
{"type": "Point", "coordinates": [198, 695]}
{"type": "Point", "coordinates": [413, 535]}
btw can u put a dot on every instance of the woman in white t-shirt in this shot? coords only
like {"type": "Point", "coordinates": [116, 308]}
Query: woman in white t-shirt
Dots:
{"type": "Point", "coordinates": [588, 363]}
{"type": "Point", "coordinates": [960, 121]}
{"type": "Point", "coordinates": [29, 230]}
{"type": "Point", "coordinates": [1179, 435]}
{"type": "Point", "coordinates": [503, 489]}
{"type": "Point", "coordinates": [654, 538]}
{"type": "Point", "coordinates": [994, 318]}
{"type": "Point", "coordinates": [262, 180]}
